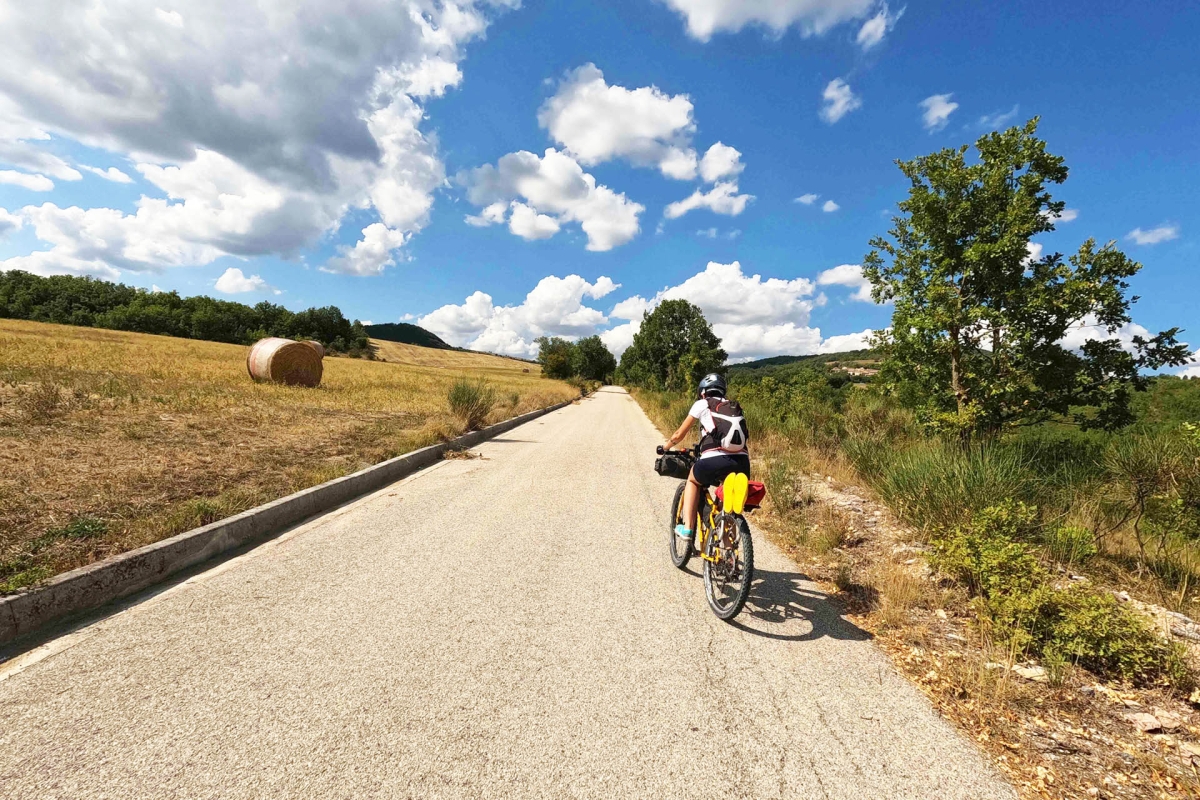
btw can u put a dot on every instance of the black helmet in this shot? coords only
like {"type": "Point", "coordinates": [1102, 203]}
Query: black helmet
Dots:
{"type": "Point", "coordinates": [713, 386]}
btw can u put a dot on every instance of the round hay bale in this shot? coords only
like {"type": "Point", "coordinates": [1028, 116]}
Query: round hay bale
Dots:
{"type": "Point", "coordinates": [284, 361]}
{"type": "Point", "coordinates": [315, 345]}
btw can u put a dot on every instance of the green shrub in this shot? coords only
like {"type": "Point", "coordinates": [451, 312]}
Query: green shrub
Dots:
{"type": "Point", "coordinates": [1069, 544]}
{"type": "Point", "coordinates": [471, 401]}
{"type": "Point", "coordinates": [1094, 631]}
{"type": "Point", "coordinates": [1018, 602]}
{"type": "Point", "coordinates": [988, 557]}
{"type": "Point", "coordinates": [584, 385]}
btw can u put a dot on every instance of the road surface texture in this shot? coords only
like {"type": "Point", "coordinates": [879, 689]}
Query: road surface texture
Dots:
{"type": "Point", "coordinates": [508, 626]}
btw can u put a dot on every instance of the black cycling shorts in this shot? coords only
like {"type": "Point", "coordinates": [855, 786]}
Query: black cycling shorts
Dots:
{"type": "Point", "coordinates": [713, 470]}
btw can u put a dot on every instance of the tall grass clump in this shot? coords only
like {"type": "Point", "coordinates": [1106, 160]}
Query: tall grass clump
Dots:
{"type": "Point", "coordinates": [938, 485]}
{"type": "Point", "coordinates": [471, 400]}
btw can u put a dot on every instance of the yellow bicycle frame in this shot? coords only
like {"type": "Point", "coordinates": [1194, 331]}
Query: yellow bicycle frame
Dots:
{"type": "Point", "coordinates": [735, 490]}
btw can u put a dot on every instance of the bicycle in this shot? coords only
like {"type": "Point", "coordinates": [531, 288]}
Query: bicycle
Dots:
{"type": "Point", "coordinates": [722, 537]}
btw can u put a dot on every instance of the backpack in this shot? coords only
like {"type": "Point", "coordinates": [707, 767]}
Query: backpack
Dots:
{"type": "Point", "coordinates": [729, 433]}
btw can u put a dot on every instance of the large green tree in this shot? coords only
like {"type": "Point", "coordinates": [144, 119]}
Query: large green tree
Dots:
{"type": "Point", "coordinates": [977, 336]}
{"type": "Point", "coordinates": [555, 355]}
{"type": "Point", "coordinates": [674, 349]}
{"type": "Point", "coordinates": [591, 359]}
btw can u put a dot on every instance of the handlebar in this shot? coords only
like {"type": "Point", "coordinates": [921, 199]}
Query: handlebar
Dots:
{"type": "Point", "coordinates": [660, 450]}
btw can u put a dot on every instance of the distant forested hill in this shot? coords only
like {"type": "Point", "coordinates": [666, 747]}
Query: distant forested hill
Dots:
{"type": "Point", "coordinates": [853, 358]}
{"type": "Point", "coordinates": [404, 333]}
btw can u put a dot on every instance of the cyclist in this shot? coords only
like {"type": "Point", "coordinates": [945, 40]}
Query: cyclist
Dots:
{"type": "Point", "coordinates": [722, 446]}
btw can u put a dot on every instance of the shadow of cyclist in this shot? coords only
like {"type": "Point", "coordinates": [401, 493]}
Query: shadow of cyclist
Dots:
{"type": "Point", "coordinates": [781, 602]}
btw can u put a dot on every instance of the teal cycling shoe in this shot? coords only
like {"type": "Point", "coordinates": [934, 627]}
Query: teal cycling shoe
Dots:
{"type": "Point", "coordinates": [682, 532]}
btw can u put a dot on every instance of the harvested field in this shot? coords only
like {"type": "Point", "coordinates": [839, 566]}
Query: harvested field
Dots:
{"type": "Point", "coordinates": [477, 363]}
{"type": "Point", "coordinates": [112, 440]}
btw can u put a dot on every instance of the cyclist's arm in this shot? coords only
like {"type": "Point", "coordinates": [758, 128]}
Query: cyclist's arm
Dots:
{"type": "Point", "coordinates": [681, 433]}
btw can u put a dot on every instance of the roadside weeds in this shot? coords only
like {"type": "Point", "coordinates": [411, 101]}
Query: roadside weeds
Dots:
{"type": "Point", "coordinates": [1052, 729]}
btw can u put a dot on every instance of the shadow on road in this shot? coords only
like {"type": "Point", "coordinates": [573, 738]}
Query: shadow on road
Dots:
{"type": "Point", "coordinates": [778, 599]}
{"type": "Point", "coordinates": [780, 602]}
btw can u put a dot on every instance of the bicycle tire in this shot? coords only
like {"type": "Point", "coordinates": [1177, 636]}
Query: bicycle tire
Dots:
{"type": "Point", "coordinates": [677, 543]}
{"type": "Point", "coordinates": [727, 608]}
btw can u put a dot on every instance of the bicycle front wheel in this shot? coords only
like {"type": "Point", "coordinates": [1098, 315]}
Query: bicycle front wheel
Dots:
{"type": "Point", "coordinates": [728, 566]}
{"type": "Point", "coordinates": [680, 548]}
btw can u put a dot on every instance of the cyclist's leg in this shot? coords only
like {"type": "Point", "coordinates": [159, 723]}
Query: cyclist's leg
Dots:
{"type": "Point", "coordinates": [691, 497]}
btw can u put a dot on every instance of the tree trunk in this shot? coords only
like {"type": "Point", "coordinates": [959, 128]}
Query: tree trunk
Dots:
{"type": "Point", "coordinates": [960, 393]}
{"type": "Point", "coordinates": [956, 385]}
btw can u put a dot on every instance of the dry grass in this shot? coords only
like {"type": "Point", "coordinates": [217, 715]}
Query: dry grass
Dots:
{"type": "Point", "coordinates": [899, 589]}
{"type": "Point", "coordinates": [152, 435]}
{"type": "Point", "coordinates": [477, 363]}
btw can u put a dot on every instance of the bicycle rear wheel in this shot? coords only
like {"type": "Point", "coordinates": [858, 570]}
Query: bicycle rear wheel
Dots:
{"type": "Point", "coordinates": [681, 549]}
{"type": "Point", "coordinates": [728, 566]}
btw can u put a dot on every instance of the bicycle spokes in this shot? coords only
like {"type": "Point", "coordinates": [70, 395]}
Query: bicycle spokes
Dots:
{"type": "Point", "coordinates": [728, 566]}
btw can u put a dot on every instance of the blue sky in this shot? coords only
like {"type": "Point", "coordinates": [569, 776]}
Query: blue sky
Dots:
{"type": "Point", "coordinates": [307, 167]}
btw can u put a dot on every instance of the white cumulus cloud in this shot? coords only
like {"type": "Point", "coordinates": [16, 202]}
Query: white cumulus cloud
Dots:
{"type": "Point", "coordinates": [1163, 233]}
{"type": "Point", "coordinates": [829, 207]}
{"type": "Point", "coordinates": [527, 223]}
{"type": "Point", "coordinates": [754, 317]}
{"type": "Point", "coordinates": [596, 122]}
{"type": "Point", "coordinates": [850, 275]}
{"type": "Point", "coordinates": [18, 151]}
{"type": "Point", "coordinates": [839, 99]}
{"type": "Point", "coordinates": [305, 110]}
{"type": "Point", "coordinates": [9, 223]}
{"type": "Point", "coordinates": [721, 161]}
{"type": "Point", "coordinates": [371, 255]}
{"type": "Point", "coordinates": [555, 187]}
{"type": "Point", "coordinates": [1089, 329]}
{"type": "Point", "coordinates": [111, 174]}
{"type": "Point", "coordinates": [810, 17]}
{"type": "Point", "coordinates": [807, 199]}
{"type": "Point", "coordinates": [721, 199]}
{"type": "Point", "coordinates": [34, 183]}
{"type": "Point", "coordinates": [874, 29]}
{"type": "Point", "coordinates": [937, 111]}
{"type": "Point", "coordinates": [233, 281]}
{"type": "Point", "coordinates": [555, 307]}
{"type": "Point", "coordinates": [847, 342]}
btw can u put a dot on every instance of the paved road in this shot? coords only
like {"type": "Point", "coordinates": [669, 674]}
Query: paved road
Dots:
{"type": "Point", "coordinates": [505, 627]}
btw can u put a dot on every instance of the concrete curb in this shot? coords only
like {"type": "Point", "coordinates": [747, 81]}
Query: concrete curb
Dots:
{"type": "Point", "coordinates": [95, 585]}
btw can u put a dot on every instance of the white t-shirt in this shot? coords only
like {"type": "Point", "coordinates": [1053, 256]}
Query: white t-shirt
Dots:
{"type": "Point", "coordinates": [700, 412]}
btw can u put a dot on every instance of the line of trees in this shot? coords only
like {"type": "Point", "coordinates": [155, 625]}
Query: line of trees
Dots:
{"type": "Point", "coordinates": [588, 359]}
{"type": "Point", "coordinates": [89, 302]}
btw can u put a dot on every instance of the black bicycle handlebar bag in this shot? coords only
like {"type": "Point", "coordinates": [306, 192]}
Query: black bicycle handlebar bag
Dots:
{"type": "Point", "coordinates": [672, 466]}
